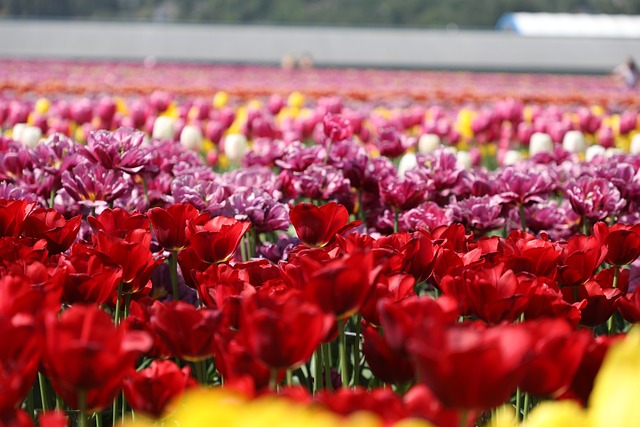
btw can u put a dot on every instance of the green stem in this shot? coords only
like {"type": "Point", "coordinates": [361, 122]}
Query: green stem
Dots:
{"type": "Point", "coordinates": [243, 250]}
{"type": "Point", "coordinates": [43, 392]}
{"type": "Point", "coordinates": [117, 311]}
{"type": "Point", "coordinates": [289, 377]}
{"type": "Point", "coordinates": [318, 364]}
{"type": "Point", "coordinates": [616, 272]}
{"type": "Point", "coordinates": [610, 321]}
{"type": "Point", "coordinates": [82, 405]}
{"type": "Point", "coordinates": [525, 412]}
{"type": "Point", "coordinates": [59, 403]}
{"type": "Point", "coordinates": [326, 356]}
{"type": "Point", "coordinates": [31, 404]}
{"type": "Point", "coordinates": [127, 304]}
{"type": "Point", "coordinates": [98, 416]}
{"type": "Point", "coordinates": [123, 408]}
{"type": "Point", "coordinates": [114, 410]}
{"type": "Point", "coordinates": [173, 272]}
{"type": "Point", "coordinates": [342, 349]}
{"type": "Point", "coordinates": [396, 220]}
{"type": "Point", "coordinates": [203, 371]}
{"type": "Point", "coordinates": [518, 403]}
{"type": "Point", "coordinates": [356, 352]}
{"type": "Point", "coordinates": [523, 219]}
{"type": "Point", "coordinates": [198, 371]}
{"type": "Point", "coordinates": [585, 226]}
{"type": "Point", "coordinates": [326, 158]}
{"type": "Point", "coordinates": [52, 198]}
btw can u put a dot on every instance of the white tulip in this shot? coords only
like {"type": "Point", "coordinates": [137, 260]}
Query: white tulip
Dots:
{"type": "Point", "coordinates": [594, 151]}
{"type": "Point", "coordinates": [191, 138]}
{"type": "Point", "coordinates": [163, 128]}
{"type": "Point", "coordinates": [540, 143]}
{"type": "Point", "coordinates": [407, 162]}
{"type": "Point", "coordinates": [30, 136]}
{"type": "Point", "coordinates": [635, 144]}
{"type": "Point", "coordinates": [463, 159]}
{"type": "Point", "coordinates": [574, 142]}
{"type": "Point", "coordinates": [16, 133]}
{"type": "Point", "coordinates": [235, 145]}
{"type": "Point", "coordinates": [428, 143]}
{"type": "Point", "coordinates": [511, 157]}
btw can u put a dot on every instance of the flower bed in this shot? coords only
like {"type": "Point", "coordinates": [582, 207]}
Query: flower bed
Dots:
{"type": "Point", "coordinates": [317, 261]}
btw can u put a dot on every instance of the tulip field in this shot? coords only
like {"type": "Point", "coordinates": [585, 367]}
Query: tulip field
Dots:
{"type": "Point", "coordinates": [197, 245]}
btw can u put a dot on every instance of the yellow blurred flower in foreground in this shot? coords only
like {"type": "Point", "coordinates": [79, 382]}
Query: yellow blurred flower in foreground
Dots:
{"type": "Point", "coordinates": [220, 407]}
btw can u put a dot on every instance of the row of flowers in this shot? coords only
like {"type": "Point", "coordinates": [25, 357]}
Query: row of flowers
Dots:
{"type": "Point", "coordinates": [54, 77]}
{"type": "Point", "coordinates": [457, 325]}
{"type": "Point", "coordinates": [204, 124]}
{"type": "Point", "coordinates": [462, 288]}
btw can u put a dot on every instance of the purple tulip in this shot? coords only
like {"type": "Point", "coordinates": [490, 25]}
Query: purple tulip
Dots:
{"type": "Point", "coordinates": [594, 199]}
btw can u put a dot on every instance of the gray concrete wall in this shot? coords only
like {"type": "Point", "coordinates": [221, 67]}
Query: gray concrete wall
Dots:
{"type": "Point", "coordinates": [367, 47]}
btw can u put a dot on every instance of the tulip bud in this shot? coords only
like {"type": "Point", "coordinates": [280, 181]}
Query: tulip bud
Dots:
{"type": "Point", "coordinates": [428, 143]}
{"type": "Point", "coordinates": [29, 136]}
{"type": "Point", "coordinates": [235, 145]}
{"type": "Point", "coordinates": [635, 144]}
{"type": "Point", "coordinates": [594, 151]}
{"type": "Point", "coordinates": [574, 142]}
{"type": "Point", "coordinates": [407, 162]}
{"type": "Point", "coordinates": [540, 143]}
{"type": "Point", "coordinates": [613, 151]}
{"type": "Point", "coordinates": [191, 138]}
{"type": "Point", "coordinates": [16, 133]}
{"type": "Point", "coordinates": [163, 128]}
{"type": "Point", "coordinates": [511, 157]}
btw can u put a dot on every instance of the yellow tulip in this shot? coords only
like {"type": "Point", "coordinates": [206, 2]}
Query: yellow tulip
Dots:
{"type": "Point", "coordinates": [220, 99]}
{"type": "Point", "coordinates": [613, 401]}
{"type": "Point", "coordinates": [565, 413]}
{"type": "Point", "coordinates": [295, 100]}
{"type": "Point", "coordinates": [42, 105]}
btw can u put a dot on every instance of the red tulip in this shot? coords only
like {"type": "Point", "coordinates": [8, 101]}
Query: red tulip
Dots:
{"type": "Point", "coordinates": [118, 222]}
{"type": "Point", "coordinates": [469, 366]}
{"type": "Point", "coordinates": [381, 401]}
{"type": "Point", "coordinates": [12, 216]}
{"type": "Point", "coordinates": [339, 286]}
{"type": "Point", "coordinates": [50, 225]}
{"type": "Point", "coordinates": [419, 256]}
{"type": "Point", "coordinates": [187, 331]}
{"type": "Point", "coordinates": [236, 363]}
{"type": "Point", "coordinates": [215, 240]}
{"type": "Point", "coordinates": [391, 287]}
{"type": "Point", "coordinates": [85, 352]}
{"type": "Point", "coordinates": [386, 365]}
{"type": "Point", "coordinates": [420, 402]}
{"type": "Point", "coordinates": [19, 359]}
{"type": "Point", "coordinates": [629, 306]}
{"type": "Point", "coordinates": [282, 329]}
{"type": "Point", "coordinates": [401, 320]}
{"type": "Point", "coordinates": [600, 296]}
{"type": "Point", "coordinates": [15, 418]}
{"type": "Point", "coordinates": [220, 287]}
{"type": "Point", "coordinates": [525, 253]}
{"type": "Point", "coordinates": [89, 278]}
{"type": "Point", "coordinates": [492, 293]}
{"type": "Point", "coordinates": [55, 418]}
{"type": "Point", "coordinates": [317, 226]}
{"type": "Point", "coordinates": [580, 258]}
{"type": "Point", "coordinates": [152, 389]}
{"type": "Point", "coordinates": [169, 225]}
{"type": "Point", "coordinates": [557, 352]}
{"type": "Point", "coordinates": [132, 254]}
{"type": "Point", "coordinates": [31, 289]}
{"type": "Point", "coordinates": [622, 242]}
